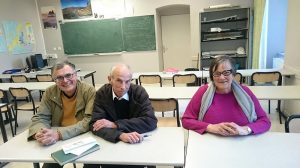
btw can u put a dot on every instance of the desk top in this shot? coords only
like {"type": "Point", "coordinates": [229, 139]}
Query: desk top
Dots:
{"type": "Point", "coordinates": [28, 85]}
{"type": "Point", "coordinates": [80, 74]}
{"type": "Point", "coordinates": [2, 104]}
{"type": "Point", "coordinates": [268, 150]}
{"type": "Point", "coordinates": [261, 92]}
{"type": "Point", "coordinates": [165, 146]}
{"type": "Point", "coordinates": [205, 74]}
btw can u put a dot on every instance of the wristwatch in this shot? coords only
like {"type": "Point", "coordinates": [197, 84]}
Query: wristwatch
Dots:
{"type": "Point", "coordinates": [249, 130]}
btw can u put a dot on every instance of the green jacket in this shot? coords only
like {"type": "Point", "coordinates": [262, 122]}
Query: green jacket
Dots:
{"type": "Point", "coordinates": [50, 112]}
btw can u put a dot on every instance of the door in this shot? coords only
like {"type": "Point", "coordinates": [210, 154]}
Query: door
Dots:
{"type": "Point", "coordinates": [176, 41]}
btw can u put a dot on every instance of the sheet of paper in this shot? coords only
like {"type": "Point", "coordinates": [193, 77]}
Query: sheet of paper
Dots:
{"type": "Point", "coordinates": [79, 145]}
{"type": "Point", "coordinates": [80, 150]}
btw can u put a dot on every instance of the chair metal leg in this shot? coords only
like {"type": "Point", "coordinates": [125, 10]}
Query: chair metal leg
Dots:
{"type": "Point", "coordinates": [9, 111]}
{"type": "Point", "coordinates": [16, 121]}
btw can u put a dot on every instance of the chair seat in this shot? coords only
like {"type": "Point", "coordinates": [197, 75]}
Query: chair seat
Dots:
{"type": "Point", "coordinates": [4, 109]}
{"type": "Point", "coordinates": [166, 122]}
{"type": "Point", "coordinates": [28, 106]}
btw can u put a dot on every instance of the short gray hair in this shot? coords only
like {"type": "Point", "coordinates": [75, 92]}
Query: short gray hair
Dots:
{"type": "Point", "coordinates": [60, 65]}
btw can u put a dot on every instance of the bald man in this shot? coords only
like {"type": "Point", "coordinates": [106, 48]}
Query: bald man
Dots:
{"type": "Point", "coordinates": [122, 110]}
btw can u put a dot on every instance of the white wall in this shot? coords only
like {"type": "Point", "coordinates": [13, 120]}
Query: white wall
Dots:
{"type": "Point", "coordinates": [139, 61]}
{"type": "Point", "coordinates": [16, 10]}
{"type": "Point", "coordinates": [292, 57]}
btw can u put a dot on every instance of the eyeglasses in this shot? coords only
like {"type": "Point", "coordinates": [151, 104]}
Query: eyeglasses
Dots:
{"type": "Point", "coordinates": [65, 76]}
{"type": "Point", "coordinates": [225, 73]}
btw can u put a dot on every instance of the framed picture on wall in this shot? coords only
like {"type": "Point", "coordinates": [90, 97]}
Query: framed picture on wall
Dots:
{"type": "Point", "coordinates": [49, 17]}
{"type": "Point", "coordinates": [76, 9]}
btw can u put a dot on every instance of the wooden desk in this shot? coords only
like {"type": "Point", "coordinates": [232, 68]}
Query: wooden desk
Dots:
{"type": "Point", "coordinates": [268, 150]}
{"type": "Point", "coordinates": [165, 146]}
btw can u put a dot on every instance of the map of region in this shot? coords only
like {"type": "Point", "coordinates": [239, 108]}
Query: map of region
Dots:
{"type": "Point", "coordinates": [19, 37]}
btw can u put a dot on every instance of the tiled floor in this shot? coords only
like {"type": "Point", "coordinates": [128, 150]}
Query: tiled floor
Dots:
{"type": "Point", "coordinates": [24, 121]}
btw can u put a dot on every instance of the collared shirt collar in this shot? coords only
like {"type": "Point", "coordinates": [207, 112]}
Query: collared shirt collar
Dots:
{"type": "Point", "coordinates": [125, 96]}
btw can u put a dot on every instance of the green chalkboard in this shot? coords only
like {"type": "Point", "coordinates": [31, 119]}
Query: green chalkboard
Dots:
{"type": "Point", "coordinates": [139, 33]}
{"type": "Point", "coordinates": [97, 36]}
{"type": "Point", "coordinates": [109, 35]}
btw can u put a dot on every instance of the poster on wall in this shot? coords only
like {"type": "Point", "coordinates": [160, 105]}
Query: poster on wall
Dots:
{"type": "Point", "coordinates": [49, 17]}
{"type": "Point", "coordinates": [76, 9]}
{"type": "Point", "coordinates": [2, 40]}
{"type": "Point", "coordinates": [19, 37]}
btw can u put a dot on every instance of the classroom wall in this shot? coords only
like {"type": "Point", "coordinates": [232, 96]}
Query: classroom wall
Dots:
{"type": "Point", "coordinates": [24, 10]}
{"type": "Point", "coordinates": [139, 61]}
{"type": "Point", "coordinates": [276, 30]}
{"type": "Point", "coordinates": [292, 55]}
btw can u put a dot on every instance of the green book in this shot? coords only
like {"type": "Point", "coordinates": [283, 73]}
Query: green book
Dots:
{"type": "Point", "coordinates": [61, 158]}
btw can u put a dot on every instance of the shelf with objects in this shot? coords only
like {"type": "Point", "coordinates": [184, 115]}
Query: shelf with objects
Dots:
{"type": "Point", "coordinates": [225, 32]}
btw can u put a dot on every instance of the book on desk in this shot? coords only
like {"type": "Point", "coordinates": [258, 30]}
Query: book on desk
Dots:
{"type": "Point", "coordinates": [62, 158]}
{"type": "Point", "coordinates": [75, 150]}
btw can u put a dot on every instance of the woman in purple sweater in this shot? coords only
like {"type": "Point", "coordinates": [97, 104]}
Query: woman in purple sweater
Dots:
{"type": "Point", "coordinates": [223, 106]}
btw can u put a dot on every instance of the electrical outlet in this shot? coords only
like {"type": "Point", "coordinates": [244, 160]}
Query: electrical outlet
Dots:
{"type": "Point", "coordinates": [51, 56]}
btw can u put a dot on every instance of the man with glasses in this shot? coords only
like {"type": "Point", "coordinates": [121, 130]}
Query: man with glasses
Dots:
{"type": "Point", "coordinates": [67, 106]}
{"type": "Point", "coordinates": [225, 107]}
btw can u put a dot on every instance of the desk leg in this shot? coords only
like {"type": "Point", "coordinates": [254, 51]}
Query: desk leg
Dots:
{"type": "Point", "coordinates": [36, 165]}
{"type": "Point", "coordinates": [3, 131]}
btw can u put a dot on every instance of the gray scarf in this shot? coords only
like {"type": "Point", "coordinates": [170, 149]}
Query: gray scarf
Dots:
{"type": "Point", "coordinates": [243, 99]}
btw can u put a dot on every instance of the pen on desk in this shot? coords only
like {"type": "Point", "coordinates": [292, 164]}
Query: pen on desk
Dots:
{"type": "Point", "coordinates": [146, 135]}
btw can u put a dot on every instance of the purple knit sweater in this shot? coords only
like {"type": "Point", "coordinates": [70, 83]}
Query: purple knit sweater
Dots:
{"type": "Point", "coordinates": [224, 108]}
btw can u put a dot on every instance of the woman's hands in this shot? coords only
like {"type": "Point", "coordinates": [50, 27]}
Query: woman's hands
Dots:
{"type": "Point", "coordinates": [227, 129]}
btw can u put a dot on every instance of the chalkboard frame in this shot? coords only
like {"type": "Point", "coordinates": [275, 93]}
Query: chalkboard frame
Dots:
{"type": "Point", "coordinates": [127, 34]}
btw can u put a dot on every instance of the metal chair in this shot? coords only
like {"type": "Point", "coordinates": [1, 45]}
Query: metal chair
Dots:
{"type": "Point", "coordinates": [29, 106]}
{"type": "Point", "coordinates": [43, 78]}
{"type": "Point", "coordinates": [268, 78]}
{"type": "Point", "coordinates": [150, 79]}
{"type": "Point", "coordinates": [7, 110]}
{"type": "Point", "coordinates": [238, 77]}
{"type": "Point", "coordinates": [187, 79]}
{"type": "Point", "coordinates": [292, 124]}
{"type": "Point", "coordinates": [163, 106]}
{"type": "Point", "coordinates": [19, 78]}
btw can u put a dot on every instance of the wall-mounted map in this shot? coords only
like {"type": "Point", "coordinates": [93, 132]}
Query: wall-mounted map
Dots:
{"type": "Point", "coordinates": [19, 37]}
{"type": "Point", "coordinates": [2, 40]}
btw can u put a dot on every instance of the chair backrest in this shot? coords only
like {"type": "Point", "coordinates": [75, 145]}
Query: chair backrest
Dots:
{"type": "Point", "coordinates": [167, 105]}
{"type": "Point", "coordinates": [19, 78]}
{"type": "Point", "coordinates": [185, 79]}
{"type": "Point", "coordinates": [191, 69]}
{"type": "Point", "coordinates": [292, 124]}
{"type": "Point", "coordinates": [274, 78]}
{"type": "Point", "coordinates": [44, 78]}
{"type": "Point", "coordinates": [150, 79]}
{"type": "Point", "coordinates": [19, 92]}
{"type": "Point", "coordinates": [238, 77]}
{"type": "Point", "coordinates": [3, 96]}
